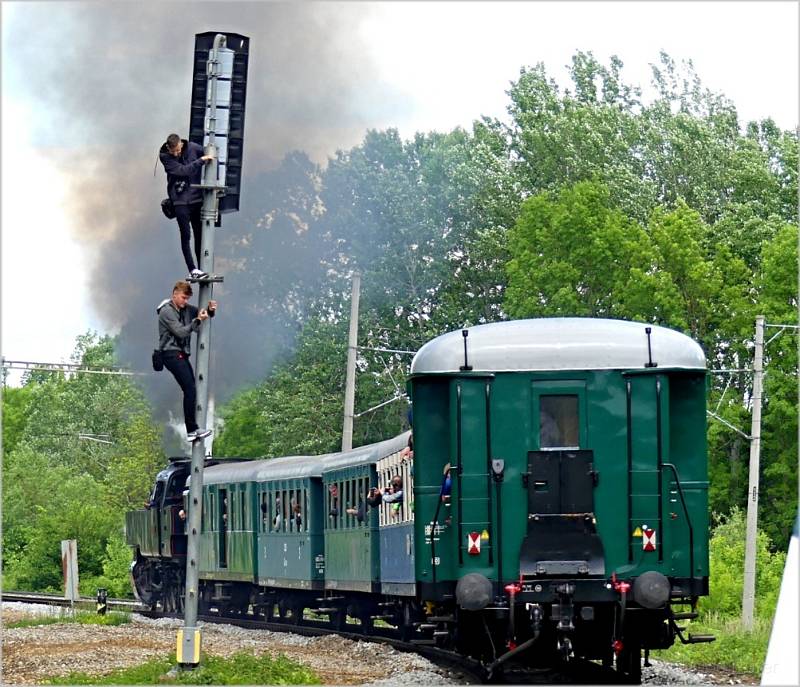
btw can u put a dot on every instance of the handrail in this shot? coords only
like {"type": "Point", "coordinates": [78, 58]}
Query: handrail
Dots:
{"type": "Point", "coordinates": [659, 449]}
{"type": "Point", "coordinates": [489, 475]}
{"type": "Point", "coordinates": [688, 519]}
{"type": "Point", "coordinates": [458, 473]}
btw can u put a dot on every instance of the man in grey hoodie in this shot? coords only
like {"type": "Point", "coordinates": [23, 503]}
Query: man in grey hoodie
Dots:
{"type": "Point", "coordinates": [177, 319]}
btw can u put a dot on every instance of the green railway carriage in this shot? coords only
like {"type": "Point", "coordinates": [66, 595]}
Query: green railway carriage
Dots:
{"type": "Point", "coordinates": [352, 555]}
{"type": "Point", "coordinates": [579, 482]}
{"type": "Point", "coordinates": [556, 505]}
{"type": "Point", "coordinates": [265, 530]}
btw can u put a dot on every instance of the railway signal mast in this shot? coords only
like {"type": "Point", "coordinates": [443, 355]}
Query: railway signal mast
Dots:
{"type": "Point", "coordinates": [217, 122]}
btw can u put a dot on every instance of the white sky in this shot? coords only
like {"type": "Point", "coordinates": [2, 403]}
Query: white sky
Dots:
{"type": "Point", "coordinates": [464, 56]}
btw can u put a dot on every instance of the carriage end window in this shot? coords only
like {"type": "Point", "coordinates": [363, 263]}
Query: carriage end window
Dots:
{"type": "Point", "coordinates": [558, 421]}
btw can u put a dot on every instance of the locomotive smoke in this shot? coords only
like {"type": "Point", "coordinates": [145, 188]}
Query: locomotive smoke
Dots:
{"type": "Point", "coordinates": [122, 82]}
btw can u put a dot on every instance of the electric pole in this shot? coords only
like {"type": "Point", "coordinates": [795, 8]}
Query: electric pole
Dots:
{"type": "Point", "coordinates": [749, 586]}
{"type": "Point", "coordinates": [350, 380]}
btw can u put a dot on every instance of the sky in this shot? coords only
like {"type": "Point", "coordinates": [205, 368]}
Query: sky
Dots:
{"type": "Point", "coordinates": [89, 91]}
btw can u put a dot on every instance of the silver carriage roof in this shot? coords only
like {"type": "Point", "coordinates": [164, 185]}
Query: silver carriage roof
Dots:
{"type": "Point", "coordinates": [290, 467]}
{"type": "Point", "coordinates": [559, 343]}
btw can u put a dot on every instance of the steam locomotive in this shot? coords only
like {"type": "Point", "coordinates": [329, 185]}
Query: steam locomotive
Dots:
{"type": "Point", "coordinates": [555, 505]}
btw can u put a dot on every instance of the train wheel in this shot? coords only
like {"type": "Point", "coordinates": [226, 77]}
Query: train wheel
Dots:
{"type": "Point", "coordinates": [297, 614]}
{"type": "Point", "coordinates": [367, 621]}
{"type": "Point", "coordinates": [143, 576]}
{"type": "Point", "coordinates": [407, 619]}
{"type": "Point", "coordinates": [338, 619]}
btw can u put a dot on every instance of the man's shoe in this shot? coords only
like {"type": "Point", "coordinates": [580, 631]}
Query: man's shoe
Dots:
{"type": "Point", "coordinates": [198, 274]}
{"type": "Point", "coordinates": [198, 434]}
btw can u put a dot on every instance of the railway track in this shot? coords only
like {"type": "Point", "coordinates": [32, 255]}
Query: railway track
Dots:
{"type": "Point", "coordinates": [469, 671]}
{"type": "Point", "coordinates": [58, 600]}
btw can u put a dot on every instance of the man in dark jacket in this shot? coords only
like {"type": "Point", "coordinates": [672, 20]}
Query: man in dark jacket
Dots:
{"type": "Point", "coordinates": [183, 162]}
{"type": "Point", "coordinates": [176, 322]}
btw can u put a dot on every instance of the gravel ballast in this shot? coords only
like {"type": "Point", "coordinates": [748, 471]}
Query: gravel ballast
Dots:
{"type": "Point", "coordinates": [33, 654]}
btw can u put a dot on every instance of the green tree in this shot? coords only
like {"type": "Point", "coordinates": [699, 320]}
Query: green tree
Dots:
{"type": "Point", "coordinates": [16, 410]}
{"type": "Point", "coordinates": [83, 452]}
{"type": "Point", "coordinates": [572, 253]}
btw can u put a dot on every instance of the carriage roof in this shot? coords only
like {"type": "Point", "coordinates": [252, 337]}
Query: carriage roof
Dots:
{"type": "Point", "coordinates": [291, 467]}
{"type": "Point", "coordinates": [559, 343]}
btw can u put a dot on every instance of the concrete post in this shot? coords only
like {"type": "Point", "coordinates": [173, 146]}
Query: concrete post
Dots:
{"type": "Point", "coordinates": [749, 586]}
{"type": "Point", "coordinates": [350, 379]}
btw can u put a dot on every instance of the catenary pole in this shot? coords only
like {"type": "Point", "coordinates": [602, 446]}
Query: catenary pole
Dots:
{"type": "Point", "coordinates": [749, 586]}
{"type": "Point", "coordinates": [189, 638]}
{"type": "Point", "coordinates": [350, 379]}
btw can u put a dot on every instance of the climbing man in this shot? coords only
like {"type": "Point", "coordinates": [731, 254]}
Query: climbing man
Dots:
{"type": "Point", "coordinates": [176, 322]}
{"type": "Point", "coordinates": [183, 161]}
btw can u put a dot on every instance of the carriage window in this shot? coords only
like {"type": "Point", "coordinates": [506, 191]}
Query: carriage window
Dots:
{"type": "Point", "coordinates": [558, 421]}
{"type": "Point", "coordinates": [264, 507]}
{"type": "Point", "coordinates": [333, 506]}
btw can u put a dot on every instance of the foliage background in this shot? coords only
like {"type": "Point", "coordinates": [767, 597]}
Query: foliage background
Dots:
{"type": "Point", "coordinates": [585, 200]}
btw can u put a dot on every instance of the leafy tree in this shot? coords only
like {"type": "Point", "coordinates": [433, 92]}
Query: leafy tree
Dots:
{"type": "Point", "coordinates": [779, 303]}
{"type": "Point", "coordinates": [298, 409]}
{"type": "Point", "coordinates": [83, 452]}
{"type": "Point", "coordinates": [572, 253]}
{"type": "Point", "coordinates": [16, 410]}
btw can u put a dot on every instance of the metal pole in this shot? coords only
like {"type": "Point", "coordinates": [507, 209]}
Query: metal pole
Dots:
{"type": "Point", "coordinates": [350, 380]}
{"type": "Point", "coordinates": [188, 654]}
{"type": "Point", "coordinates": [748, 591]}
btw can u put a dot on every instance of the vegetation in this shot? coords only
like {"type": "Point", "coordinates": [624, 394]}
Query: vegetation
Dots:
{"type": "Point", "coordinates": [240, 669]}
{"type": "Point", "coordinates": [720, 612]}
{"type": "Point", "coordinates": [79, 617]}
{"type": "Point", "coordinates": [585, 201]}
{"type": "Point", "coordinates": [59, 482]}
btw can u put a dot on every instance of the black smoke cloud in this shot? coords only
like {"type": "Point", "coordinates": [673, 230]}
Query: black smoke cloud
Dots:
{"type": "Point", "coordinates": [112, 80]}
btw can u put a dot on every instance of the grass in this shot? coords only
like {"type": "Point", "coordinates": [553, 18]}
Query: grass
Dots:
{"type": "Point", "coordinates": [734, 648]}
{"type": "Point", "coordinates": [241, 668]}
{"type": "Point", "coordinates": [80, 617]}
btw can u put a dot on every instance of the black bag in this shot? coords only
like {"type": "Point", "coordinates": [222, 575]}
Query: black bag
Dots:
{"type": "Point", "coordinates": [168, 208]}
{"type": "Point", "coordinates": [158, 360]}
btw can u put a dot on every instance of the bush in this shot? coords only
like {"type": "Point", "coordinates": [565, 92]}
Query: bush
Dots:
{"type": "Point", "coordinates": [116, 571]}
{"type": "Point", "coordinates": [721, 610]}
{"type": "Point", "coordinates": [734, 647]}
{"type": "Point", "coordinates": [726, 552]}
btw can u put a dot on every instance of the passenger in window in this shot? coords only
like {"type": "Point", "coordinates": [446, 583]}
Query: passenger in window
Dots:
{"type": "Point", "coordinates": [394, 492]}
{"type": "Point", "coordinates": [374, 497]}
{"type": "Point", "coordinates": [277, 521]}
{"type": "Point", "coordinates": [297, 517]}
{"type": "Point", "coordinates": [358, 512]}
{"type": "Point", "coordinates": [447, 485]}
{"type": "Point", "coordinates": [549, 433]}
{"type": "Point", "coordinates": [408, 452]}
{"type": "Point", "coordinates": [333, 490]}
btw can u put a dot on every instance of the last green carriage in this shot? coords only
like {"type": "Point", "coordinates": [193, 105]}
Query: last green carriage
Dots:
{"type": "Point", "coordinates": [576, 523]}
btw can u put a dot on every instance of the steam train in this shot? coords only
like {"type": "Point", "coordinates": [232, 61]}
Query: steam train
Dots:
{"type": "Point", "coordinates": [554, 506]}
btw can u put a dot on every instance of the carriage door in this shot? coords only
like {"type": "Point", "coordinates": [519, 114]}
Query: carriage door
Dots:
{"type": "Point", "coordinates": [562, 538]}
{"type": "Point", "coordinates": [223, 528]}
